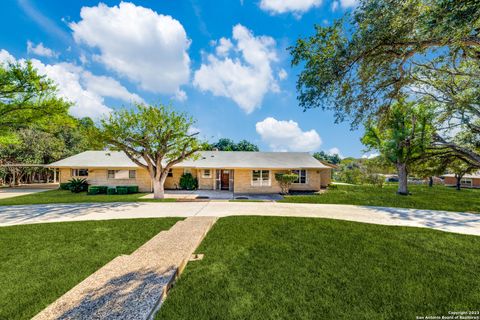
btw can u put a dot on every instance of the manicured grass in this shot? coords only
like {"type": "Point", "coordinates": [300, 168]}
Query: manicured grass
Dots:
{"type": "Point", "coordinates": [40, 262]}
{"type": "Point", "coordinates": [65, 196]}
{"type": "Point", "coordinates": [299, 268]}
{"type": "Point", "coordinates": [422, 197]}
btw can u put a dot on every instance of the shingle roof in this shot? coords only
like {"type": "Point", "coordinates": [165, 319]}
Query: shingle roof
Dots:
{"type": "Point", "coordinates": [207, 159]}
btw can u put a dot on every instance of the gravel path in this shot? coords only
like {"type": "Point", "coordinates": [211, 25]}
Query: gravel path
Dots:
{"type": "Point", "coordinates": [459, 222]}
{"type": "Point", "coordinates": [133, 286]}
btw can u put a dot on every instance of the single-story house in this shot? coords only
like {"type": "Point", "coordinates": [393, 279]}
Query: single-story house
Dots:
{"type": "Point", "coordinates": [467, 181]}
{"type": "Point", "coordinates": [239, 172]}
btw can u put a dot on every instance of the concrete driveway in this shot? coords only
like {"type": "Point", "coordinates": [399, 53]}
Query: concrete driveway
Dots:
{"type": "Point", "coordinates": [458, 222]}
{"type": "Point", "coordinates": [15, 192]}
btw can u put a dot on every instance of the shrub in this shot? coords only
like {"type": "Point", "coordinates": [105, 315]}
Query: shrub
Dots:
{"type": "Point", "coordinates": [64, 186]}
{"type": "Point", "coordinates": [285, 180]}
{"type": "Point", "coordinates": [78, 185]}
{"type": "Point", "coordinates": [97, 189]}
{"type": "Point", "coordinates": [93, 190]}
{"type": "Point", "coordinates": [373, 179]}
{"type": "Point", "coordinates": [132, 189]}
{"type": "Point", "coordinates": [111, 190]}
{"type": "Point", "coordinates": [103, 189]}
{"type": "Point", "coordinates": [188, 182]}
{"type": "Point", "coordinates": [122, 190]}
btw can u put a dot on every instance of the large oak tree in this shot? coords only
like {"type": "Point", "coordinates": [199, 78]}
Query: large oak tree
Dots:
{"type": "Point", "coordinates": [386, 49]}
{"type": "Point", "coordinates": [154, 137]}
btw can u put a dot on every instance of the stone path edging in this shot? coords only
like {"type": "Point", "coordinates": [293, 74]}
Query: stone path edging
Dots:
{"type": "Point", "coordinates": [133, 286]}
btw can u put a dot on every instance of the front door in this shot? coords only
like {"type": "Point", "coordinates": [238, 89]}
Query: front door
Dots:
{"type": "Point", "coordinates": [225, 179]}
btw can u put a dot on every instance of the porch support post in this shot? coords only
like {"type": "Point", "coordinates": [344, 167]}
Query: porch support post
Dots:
{"type": "Point", "coordinates": [54, 175]}
{"type": "Point", "coordinates": [214, 173]}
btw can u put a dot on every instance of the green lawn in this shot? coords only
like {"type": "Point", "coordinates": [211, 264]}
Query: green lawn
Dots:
{"type": "Point", "coordinates": [423, 197]}
{"type": "Point", "coordinates": [40, 262]}
{"type": "Point", "coordinates": [299, 268]}
{"type": "Point", "coordinates": [65, 196]}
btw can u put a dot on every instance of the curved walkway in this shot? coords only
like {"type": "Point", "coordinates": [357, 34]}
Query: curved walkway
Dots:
{"type": "Point", "coordinates": [457, 222]}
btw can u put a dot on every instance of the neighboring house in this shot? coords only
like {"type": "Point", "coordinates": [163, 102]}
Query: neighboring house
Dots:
{"type": "Point", "coordinates": [240, 172]}
{"type": "Point", "coordinates": [467, 181]}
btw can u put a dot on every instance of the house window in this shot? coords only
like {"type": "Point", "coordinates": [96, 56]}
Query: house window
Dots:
{"type": "Point", "coordinates": [132, 174]}
{"type": "Point", "coordinates": [170, 173]}
{"type": "Point", "coordinates": [121, 174]}
{"type": "Point", "coordinates": [466, 182]}
{"type": "Point", "coordinates": [207, 173]}
{"type": "Point", "coordinates": [187, 170]}
{"type": "Point", "coordinates": [261, 178]}
{"type": "Point", "coordinates": [79, 172]}
{"type": "Point", "coordinates": [302, 176]}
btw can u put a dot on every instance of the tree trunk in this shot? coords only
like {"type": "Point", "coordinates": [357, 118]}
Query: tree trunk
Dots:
{"type": "Point", "coordinates": [158, 190]}
{"type": "Point", "coordinates": [402, 179]}
{"type": "Point", "coordinates": [459, 182]}
{"type": "Point", "coordinates": [430, 182]}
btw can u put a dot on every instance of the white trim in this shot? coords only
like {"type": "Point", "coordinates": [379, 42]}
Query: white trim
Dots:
{"type": "Point", "coordinates": [306, 176]}
{"type": "Point", "coordinates": [261, 182]}
{"type": "Point", "coordinates": [74, 172]}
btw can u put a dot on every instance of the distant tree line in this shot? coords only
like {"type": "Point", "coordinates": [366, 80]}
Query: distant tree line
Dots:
{"type": "Point", "coordinates": [225, 144]}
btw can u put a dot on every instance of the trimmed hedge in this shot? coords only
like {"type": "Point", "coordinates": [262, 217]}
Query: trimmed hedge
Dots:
{"type": "Point", "coordinates": [122, 190]}
{"type": "Point", "coordinates": [132, 189]}
{"type": "Point", "coordinates": [92, 190]}
{"type": "Point", "coordinates": [97, 189]}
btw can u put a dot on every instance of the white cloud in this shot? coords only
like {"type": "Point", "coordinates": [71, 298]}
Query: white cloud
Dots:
{"type": "Point", "coordinates": [282, 74]}
{"type": "Point", "coordinates": [345, 4]}
{"type": "Point", "coordinates": [6, 57]}
{"type": "Point", "coordinates": [181, 96]}
{"type": "Point", "coordinates": [146, 47]}
{"type": "Point", "coordinates": [371, 155]}
{"type": "Point", "coordinates": [334, 151]}
{"type": "Point", "coordinates": [224, 47]}
{"type": "Point", "coordinates": [107, 87]}
{"type": "Point", "coordinates": [335, 5]}
{"type": "Point", "coordinates": [68, 79]}
{"type": "Point", "coordinates": [246, 77]}
{"type": "Point", "coordinates": [283, 6]}
{"type": "Point", "coordinates": [41, 50]}
{"type": "Point", "coordinates": [85, 90]}
{"type": "Point", "coordinates": [283, 135]}
{"type": "Point", "coordinates": [348, 3]}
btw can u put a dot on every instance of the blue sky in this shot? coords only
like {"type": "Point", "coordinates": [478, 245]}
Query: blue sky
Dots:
{"type": "Point", "coordinates": [224, 62]}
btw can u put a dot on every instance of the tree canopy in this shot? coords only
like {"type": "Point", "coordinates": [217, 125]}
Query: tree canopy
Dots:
{"type": "Point", "coordinates": [327, 157]}
{"type": "Point", "coordinates": [225, 144]}
{"type": "Point", "coordinates": [402, 137]}
{"type": "Point", "coordinates": [153, 137]}
{"type": "Point", "coordinates": [363, 62]}
{"type": "Point", "coordinates": [28, 98]}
